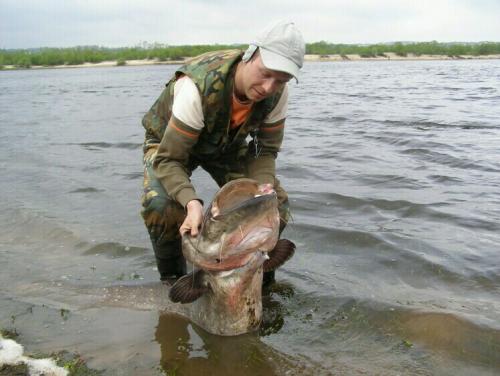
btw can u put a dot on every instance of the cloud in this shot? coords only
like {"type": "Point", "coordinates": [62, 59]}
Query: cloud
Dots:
{"type": "Point", "coordinates": [31, 23]}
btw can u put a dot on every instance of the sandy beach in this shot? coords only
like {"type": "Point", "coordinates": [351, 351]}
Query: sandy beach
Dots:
{"type": "Point", "coordinates": [388, 56]}
{"type": "Point", "coordinates": [109, 63]}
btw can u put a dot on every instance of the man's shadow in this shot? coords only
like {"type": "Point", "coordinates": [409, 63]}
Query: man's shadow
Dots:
{"type": "Point", "coordinates": [186, 349]}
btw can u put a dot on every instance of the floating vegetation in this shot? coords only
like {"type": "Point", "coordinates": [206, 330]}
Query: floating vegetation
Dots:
{"type": "Point", "coordinates": [75, 364]}
{"type": "Point", "coordinates": [132, 276]}
{"type": "Point", "coordinates": [407, 343]}
{"type": "Point", "coordinates": [9, 333]}
{"type": "Point", "coordinates": [64, 313]}
{"type": "Point", "coordinates": [14, 362]}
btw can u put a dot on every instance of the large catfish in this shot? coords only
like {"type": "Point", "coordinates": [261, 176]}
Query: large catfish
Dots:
{"type": "Point", "coordinates": [238, 241]}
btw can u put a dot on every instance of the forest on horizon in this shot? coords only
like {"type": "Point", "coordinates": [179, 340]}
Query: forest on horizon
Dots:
{"type": "Point", "coordinates": [48, 56]}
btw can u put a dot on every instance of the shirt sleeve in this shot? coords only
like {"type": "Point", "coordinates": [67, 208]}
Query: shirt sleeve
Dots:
{"type": "Point", "coordinates": [184, 127]}
{"type": "Point", "coordinates": [187, 104]}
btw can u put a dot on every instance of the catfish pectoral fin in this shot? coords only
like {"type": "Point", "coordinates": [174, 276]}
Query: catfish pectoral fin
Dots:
{"type": "Point", "coordinates": [188, 288]}
{"type": "Point", "coordinates": [281, 253]}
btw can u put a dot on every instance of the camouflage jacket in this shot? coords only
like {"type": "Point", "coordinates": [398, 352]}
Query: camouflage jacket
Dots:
{"type": "Point", "coordinates": [213, 75]}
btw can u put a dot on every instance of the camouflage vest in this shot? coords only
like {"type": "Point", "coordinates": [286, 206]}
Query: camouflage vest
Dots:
{"type": "Point", "coordinates": [213, 75]}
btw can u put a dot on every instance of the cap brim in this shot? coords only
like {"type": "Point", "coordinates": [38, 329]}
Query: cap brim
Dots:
{"type": "Point", "coordinates": [274, 61]}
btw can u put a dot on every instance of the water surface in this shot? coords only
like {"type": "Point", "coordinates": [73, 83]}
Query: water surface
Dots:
{"type": "Point", "coordinates": [393, 172]}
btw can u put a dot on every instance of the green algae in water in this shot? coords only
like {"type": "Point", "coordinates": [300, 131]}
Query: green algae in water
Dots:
{"type": "Point", "coordinates": [9, 333]}
{"type": "Point", "coordinates": [17, 370]}
{"type": "Point", "coordinates": [75, 364]}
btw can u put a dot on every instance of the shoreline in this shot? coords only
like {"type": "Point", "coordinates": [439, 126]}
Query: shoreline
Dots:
{"type": "Point", "coordinates": [388, 56]}
{"type": "Point", "coordinates": [107, 63]}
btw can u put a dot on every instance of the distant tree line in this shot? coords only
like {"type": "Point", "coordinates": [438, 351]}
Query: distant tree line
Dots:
{"type": "Point", "coordinates": [94, 54]}
{"type": "Point", "coordinates": [403, 49]}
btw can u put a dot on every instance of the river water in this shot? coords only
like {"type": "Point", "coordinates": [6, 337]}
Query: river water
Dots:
{"type": "Point", "coordinates": [393, 172]}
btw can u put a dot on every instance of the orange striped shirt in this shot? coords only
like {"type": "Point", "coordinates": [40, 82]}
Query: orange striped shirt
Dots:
{"type": "Point", "coordinates": [239, 112]}
{"type": "Point", "coordinates": [181, 131]}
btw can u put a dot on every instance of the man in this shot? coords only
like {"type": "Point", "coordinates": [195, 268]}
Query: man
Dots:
{"type": "Point", "coordinates": [202, 118]}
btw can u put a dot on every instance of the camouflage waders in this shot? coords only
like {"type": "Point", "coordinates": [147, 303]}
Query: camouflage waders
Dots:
{"type": "Point", "coordinates": [163, 216]}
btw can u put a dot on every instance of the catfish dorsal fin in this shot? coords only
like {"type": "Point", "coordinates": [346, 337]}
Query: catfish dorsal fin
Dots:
{"type": "Point", "coordinates": [281, 253]}
{"type": "Point", "coordinates": [188, 288]}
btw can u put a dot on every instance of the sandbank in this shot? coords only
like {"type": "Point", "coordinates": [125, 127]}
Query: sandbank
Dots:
{"type": "Point", "coordinates": [392, 56]}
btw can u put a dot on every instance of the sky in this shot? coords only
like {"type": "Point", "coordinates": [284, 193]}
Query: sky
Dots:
{"type": "Point", "coordinates": [120, 23]}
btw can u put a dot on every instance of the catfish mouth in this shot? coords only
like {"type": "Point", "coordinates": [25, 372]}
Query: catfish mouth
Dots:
{"type": "Point", "coordinates": [236, 194]}
{"type": "Point", "coordinates": [253, 262]}
{"type": "Point", "coordinates": [247, 214]}
{"type": "Point", "coordinates": [221, 214]}
{"type": "Point", "coordinates": [237, 248]}
{"type": "Point", "coordinates": [226, 264]}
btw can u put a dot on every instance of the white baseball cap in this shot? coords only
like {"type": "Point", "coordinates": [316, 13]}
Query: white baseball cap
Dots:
{"type": "Point", "coordinates": [282, 48]}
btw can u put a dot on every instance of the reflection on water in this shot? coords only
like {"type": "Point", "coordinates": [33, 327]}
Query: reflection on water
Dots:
{"type": "Point", "coordinates": [188, 349]}
{"type": "Point", "coordinates": [448, 335]}
{"type": "Point", "coordinates": [421, 342]}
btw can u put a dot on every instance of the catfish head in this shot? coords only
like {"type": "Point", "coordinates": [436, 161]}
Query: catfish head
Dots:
{"type": "Point", "coordinates": [242, 219]}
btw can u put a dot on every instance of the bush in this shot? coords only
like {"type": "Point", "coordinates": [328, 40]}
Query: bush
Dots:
{"type": "Point", "coordinates": [95, 54]}
{"type": "Point", "coordinates": [24, 62]}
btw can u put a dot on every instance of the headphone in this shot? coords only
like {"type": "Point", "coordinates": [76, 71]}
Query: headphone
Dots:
{"type": "Point", "coordinates": [249, 52]}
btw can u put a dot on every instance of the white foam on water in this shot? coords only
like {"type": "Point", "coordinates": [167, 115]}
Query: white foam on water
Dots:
{"type": "Point", "coordinates": [11, 354]}
{"type": "Point", "coordinates": [44, 367]}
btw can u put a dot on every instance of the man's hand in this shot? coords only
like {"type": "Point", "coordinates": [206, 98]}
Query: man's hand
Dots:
{"type": "Point", "coordinates": [193, 219]}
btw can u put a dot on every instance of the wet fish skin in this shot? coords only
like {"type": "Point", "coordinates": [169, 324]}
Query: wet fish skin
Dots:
{"type": "Point", "coordinates": [240, 229]}
{"type": "Point", "coordinates": [232, 304]}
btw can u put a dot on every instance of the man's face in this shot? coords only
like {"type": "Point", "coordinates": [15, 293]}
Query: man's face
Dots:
{"type": "Point", "coordinates": [259, 82]}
